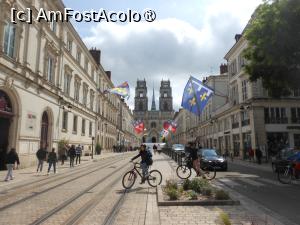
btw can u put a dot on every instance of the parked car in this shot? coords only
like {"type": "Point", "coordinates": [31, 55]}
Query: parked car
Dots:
{"type": "Point", "coordinates": [280, 159]}
{"type": "Point", "coordinates": [210, 157]}
{"type": "Point", "coordinates": [178, 148]}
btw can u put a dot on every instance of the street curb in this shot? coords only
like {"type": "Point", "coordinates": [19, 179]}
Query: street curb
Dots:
{"type": "Point", "coordinates": [162, 202]}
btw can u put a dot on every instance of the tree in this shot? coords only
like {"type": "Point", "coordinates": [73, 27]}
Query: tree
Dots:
{"type": "Point", "coordinates": [273, 53]}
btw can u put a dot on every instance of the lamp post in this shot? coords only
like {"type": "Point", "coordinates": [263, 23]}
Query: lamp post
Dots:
{"type": "Point", "coordinates": [93, 138]}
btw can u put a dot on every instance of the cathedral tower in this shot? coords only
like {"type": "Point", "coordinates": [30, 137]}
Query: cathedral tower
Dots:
{"type": "Point", "coordinates": [165, 99]}
{"type": "Point", "coordinates": [141, 99]}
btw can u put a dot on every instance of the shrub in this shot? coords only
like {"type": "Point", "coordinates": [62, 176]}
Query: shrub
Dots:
{"type": "Point", "coordinates": [192, 195]}
{"type": "Point", "coordinates": [195, 185]}
{"type": "Point", "coordinates": [180, 190]}
{"type": "Point", "coordinates": [221, 195]}
{"type": "Point", "coordinates": [173, 194]}
{"type": "Point", "coordinates": [207, 191]}
{"type": "Point", "coordinates": [186, 184]}
{"type": "Point", "coordinates": [171, 184]}
{"type": "Point", "coordinates": [225, 218]}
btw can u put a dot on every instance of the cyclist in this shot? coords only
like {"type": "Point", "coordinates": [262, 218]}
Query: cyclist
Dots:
{"type": "Point", "coordinates": [193, 154]}
{"type": "Point", "coordinates": [295, 159]}
{"type": "Point", "coordinates": [144, 163]}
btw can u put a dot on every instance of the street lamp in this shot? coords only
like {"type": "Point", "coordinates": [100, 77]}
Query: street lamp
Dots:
{"type": "Point", "coordinates": [93, 138]}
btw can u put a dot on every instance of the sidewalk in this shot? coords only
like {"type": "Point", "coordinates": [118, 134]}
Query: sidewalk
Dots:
{"type": "Point", "coordinates": [243, 214]}
{"type": "Point", "coordinates": [263, 166]}
{"type": "Point", "coordinates": [29, 173]}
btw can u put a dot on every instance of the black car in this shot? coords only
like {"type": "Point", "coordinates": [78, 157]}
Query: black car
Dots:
{"type": "Point", "coordinates": [210, 158]}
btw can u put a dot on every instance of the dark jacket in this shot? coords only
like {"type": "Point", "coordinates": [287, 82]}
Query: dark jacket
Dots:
{"type": "Point", "coordinates": [143, 155]}
{"type": "Point", "coordinates": [12, 158]}
{"type": "Point", "coordinates": [52, 157]}
{"type": "Point", "coordinates": [72, 152]}
{"type": "Point", "coordinates": [193, 153]}
{"type": "Point", "coordinates": [41, 154]}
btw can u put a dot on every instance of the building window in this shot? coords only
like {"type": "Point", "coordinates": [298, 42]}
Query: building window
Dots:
{"type": "Point", "coordinates": [76, 90]}
{"type": "Point", "coordinates": [232, 68]}
{"type": "Point", "coordinates": [9, 40]}
{"type": "Point", "coordinates": [85, 93]}
{"type": "Point", "coordinates": [295, 114]}
{"type": "Point", "coordinates": [245, 90]}
{"type": "Point", "coordinates": [69, 45]}
{"type": "Point", "coordinates": [67, 83]}
{"type": "Point", "coordinates": [83, 127]}
{"type": "Point", "coordinates": [153, 125]}
{"type": "Point", "coordinates": [297, 141]}
{"type": "Point", "coordinates": [165, 94]}
{"type": "Point", "coordinates": [92, 98]}
{"type": "Point", "coordinates": [53, 25]}
{"type": "Point", "coordinates": [50, 69]}
{"type": "Point", "coordinates": [91, 129]}
{"type": "Point", "coordinates": [141, 95]}
{"type": "Point", "coordinates": [235, 121]}
{"type": "Point", "coordinates": [75, 121]}
{"type": "Point", "coordinates": [65, 121]}
{"type": "Point", "coordinates": [297, 92]}
{"type": "Point", "coordinates": [275, 116]}
{"type": "Point", "coordinates": [245, 118]}
{"type": "Point", "coordinates": [86, 64]}
{"type": "Point", "coordinates": [78, 56]}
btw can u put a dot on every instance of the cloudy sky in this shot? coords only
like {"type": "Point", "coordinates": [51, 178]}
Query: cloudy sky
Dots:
{"type": "Point", "coordinates": [187, 38]}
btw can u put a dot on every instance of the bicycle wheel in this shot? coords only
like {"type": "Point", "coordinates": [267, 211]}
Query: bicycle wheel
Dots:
{"type": "Point", "coordinates": [284, 175]}
{"type": "Point", "coordinates": [209, 173]}
{"type": "Point", "coordinates": [128, 180]}
{"type": "Point", "coordinates": [183, 172]}
{"type": "Point", "coordinates": [154, 178]}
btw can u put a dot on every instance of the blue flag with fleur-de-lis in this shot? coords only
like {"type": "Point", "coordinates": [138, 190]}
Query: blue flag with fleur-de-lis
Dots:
{"type": "Point", "coordinates": [195, 96]}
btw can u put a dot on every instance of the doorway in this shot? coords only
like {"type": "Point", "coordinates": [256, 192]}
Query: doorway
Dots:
{"type": "Point", "coordinates": [44, 130]}
{"type": "Point", "coordinates": [153, 139]}
{"type": "Point", "coordinates": [6, 116]}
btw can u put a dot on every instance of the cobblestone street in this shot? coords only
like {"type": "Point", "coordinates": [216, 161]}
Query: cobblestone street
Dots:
{"type": "Point", "coordinates": [92, 193]}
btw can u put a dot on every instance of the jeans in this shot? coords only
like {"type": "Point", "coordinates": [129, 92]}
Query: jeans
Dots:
{"type": "Point", "coordinates": [10, 168]}
{"type": "Point", "coordinates": [40, 165]}
{"type": "Point", "coordinates": [78, 158]}
{"type": "Point", "coordinates": [144, 167]}
{"type": "Point", "coordinates": [71, 161]}
{"type": "Point", "coordinates": [54, 166]}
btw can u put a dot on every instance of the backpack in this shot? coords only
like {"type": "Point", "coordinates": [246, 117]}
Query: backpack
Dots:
{"type": "Point", "coordinates": [149, 160]}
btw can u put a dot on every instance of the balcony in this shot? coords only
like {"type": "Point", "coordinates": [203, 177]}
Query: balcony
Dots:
{"type": "Point", "coordinates": [273, 120]}
{"type": "Point", "coordinates": [235, 125]}
{"type": "Point", "coordinates": [245, 122]}
{"type": "Point", "coordinates": [296, 120]}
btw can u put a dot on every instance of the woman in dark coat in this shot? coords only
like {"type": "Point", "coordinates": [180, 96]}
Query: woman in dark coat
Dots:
{"type": "Point", "coordinates": [11, 158]}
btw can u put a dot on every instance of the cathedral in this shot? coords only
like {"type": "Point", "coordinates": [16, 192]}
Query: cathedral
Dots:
{"type": "Point", "coordinates": [154, 118]}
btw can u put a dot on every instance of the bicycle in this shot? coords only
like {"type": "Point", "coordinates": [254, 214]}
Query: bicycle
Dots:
{"type": "Point", "coordinates": [184, 171]}
{"type": "Point", "coordinates": [154, 177]}
{"type": "Point", "coordinates": [286, 174]}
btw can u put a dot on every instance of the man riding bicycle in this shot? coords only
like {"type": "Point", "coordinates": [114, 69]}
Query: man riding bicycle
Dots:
{"type": "Point", "coordinates": [146, 161]}
{"type": "Point", "coordinates": [193, 154]}
{"type": "Point", "coordinates": [295, 159]}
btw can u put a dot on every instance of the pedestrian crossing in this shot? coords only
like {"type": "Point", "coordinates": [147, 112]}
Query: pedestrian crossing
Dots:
{"type": "Point", "coordinates": [251, 182]}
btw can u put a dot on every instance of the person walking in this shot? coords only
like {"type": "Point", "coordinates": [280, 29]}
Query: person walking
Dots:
{"type": "Point", "coordinates": [72, 155]}
{"type": "Point", "coordinates": [154, 149]}
{"type": "Point", "coordinates": [11, 159]}
{"type": "Point", "coordinates": [41, 155]}
{"type": "Point", "coordinates": [258, 154]}
{"type": "Point", "coordinates": [78, 152]}
{"type": "Point", "coordinates": [63, 154]}
{"type": "Point", "coordinates": [52, 160]}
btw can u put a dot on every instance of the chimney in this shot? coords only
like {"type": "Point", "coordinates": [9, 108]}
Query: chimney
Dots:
{"type": "Point", "coordinates": [223, 68]}
{"type": "Point", "coordinates": [108, 74]}
{"type": "Point", "coordinates": [237, 37]}
{"type": "Point", "coordinates": [96, 55]}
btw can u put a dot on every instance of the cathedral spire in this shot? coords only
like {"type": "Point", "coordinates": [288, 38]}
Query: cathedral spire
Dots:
{"type": "Point", "coordinates": [153, 106]}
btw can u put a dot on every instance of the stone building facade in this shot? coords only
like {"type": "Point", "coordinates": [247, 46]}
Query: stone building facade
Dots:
{"type": "Point", "coordinates": [153, 119]}
{"type": "Point", "coordinates": [51, 86]}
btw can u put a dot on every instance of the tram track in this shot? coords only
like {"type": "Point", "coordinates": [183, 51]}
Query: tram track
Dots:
{"type": "Point", "coordinates": [83, 210]}
{"type": "Point", "coordinates": [35, 194]}
{"type": "Point", "coordinates": [45, 181]}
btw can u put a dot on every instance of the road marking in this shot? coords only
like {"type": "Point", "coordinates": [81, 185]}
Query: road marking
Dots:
{"type": "Point", "coordinates": [272, 182]}
{"type": "Point", "coordinates": [229, 182]}
{"type": "Point", "coordinates": [252, 182]}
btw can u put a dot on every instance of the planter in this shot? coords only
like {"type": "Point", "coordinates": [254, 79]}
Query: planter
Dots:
{"type": "Point", "coordinates": [162, 202]}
